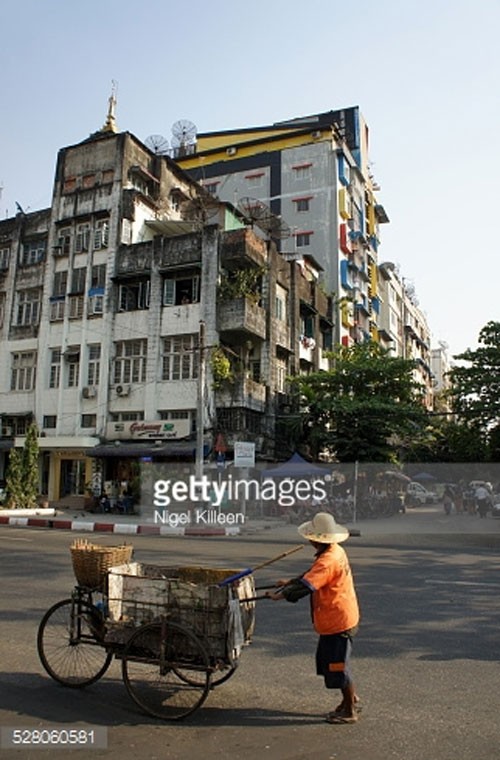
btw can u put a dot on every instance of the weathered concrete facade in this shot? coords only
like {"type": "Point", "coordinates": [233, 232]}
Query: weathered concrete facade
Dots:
{"type": "Point", "coordinates": [101, 300]}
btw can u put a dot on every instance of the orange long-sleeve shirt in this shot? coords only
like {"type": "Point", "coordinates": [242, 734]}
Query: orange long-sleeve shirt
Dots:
{"type": "Point", "coordinates": [334, 600]}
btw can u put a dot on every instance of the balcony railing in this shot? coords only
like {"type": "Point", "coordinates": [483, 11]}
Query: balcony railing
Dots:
{"type": "Point", "coordinates": [241, 315]}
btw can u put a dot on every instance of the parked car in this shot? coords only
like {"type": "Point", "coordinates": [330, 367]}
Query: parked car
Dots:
{"type": "Point", "coordinates": [416, 493]}
{"type": "Point", "coordinates": [485, 483]}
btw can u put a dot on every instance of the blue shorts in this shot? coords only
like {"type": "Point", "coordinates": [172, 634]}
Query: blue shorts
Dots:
{"type": "Point", "coordinates": [333, 659]}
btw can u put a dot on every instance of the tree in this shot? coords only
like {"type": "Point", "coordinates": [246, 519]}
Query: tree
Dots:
{"type": "Point", "coordinates": [476, 384]}
{"type": "Point", "coordinates": [22, 472]}
{"type": "Point", "coordinates": [368, 408]}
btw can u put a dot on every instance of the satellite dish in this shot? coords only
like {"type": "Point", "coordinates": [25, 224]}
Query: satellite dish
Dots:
{"type": "Point", "coordinates": [253, 209]}
{"type": "Point", "coordinates": [260, 214]}
{"type": "Point", "coordinates": [183, 135]}
{"type": "Point", "coordinates": [157, 144]}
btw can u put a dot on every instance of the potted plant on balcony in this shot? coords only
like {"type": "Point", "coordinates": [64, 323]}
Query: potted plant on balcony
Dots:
{"type": "Point", "coordinates": [242, 283]}
{"type": "Point", "coordinates": [221, 368]}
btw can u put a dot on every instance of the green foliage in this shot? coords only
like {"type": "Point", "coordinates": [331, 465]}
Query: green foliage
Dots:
{"type": "Point", "coordinates": [368, 408]}
{"type": "Point", "coordinates": [476, 383]}
{"type": "Point", "coordinates": [242, 283]}
{"type": "Point", "coordinates": [221, 367]}
{"type": "Point", "coordinates": [22, 475]}
{"type": "Point", "coordinates": [451, 441]}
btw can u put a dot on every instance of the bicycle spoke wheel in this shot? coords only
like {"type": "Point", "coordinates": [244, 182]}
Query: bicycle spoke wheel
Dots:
{"type": "Point", "coordinates": [154, 655]}
{"type": "Point", "coordinates": [70, 643]}
{"type": "Point", "coordinates": [195, 677]}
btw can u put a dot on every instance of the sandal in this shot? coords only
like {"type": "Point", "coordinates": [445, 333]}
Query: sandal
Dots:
{"type": "Point", "coordinates": [338, 718]}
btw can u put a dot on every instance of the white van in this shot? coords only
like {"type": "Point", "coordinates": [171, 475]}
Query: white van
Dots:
{"type": "Point", "coordinates": [416, 493]}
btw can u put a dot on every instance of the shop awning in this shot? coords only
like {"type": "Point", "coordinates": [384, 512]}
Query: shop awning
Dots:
{"type": "Point", "coordinates": [184, 449]}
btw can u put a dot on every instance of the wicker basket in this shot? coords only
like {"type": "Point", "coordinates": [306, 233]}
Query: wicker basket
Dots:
{"type": "Point", "coordinates": [91, 562]}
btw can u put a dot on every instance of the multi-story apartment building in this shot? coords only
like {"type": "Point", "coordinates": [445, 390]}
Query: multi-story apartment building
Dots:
{"type": "Point", "coordinates": [112, 300]}
{"type": "Point", "coordinates": [404, 326]}
{"type": "Point", "coordinates": [314, 174]}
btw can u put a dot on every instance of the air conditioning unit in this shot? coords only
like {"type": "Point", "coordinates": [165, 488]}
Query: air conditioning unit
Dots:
{"type": "Point", "coordinates": [89, 391]}
{"type": "Point", "coordinates": [231, 151]}
{"type": "Point", "coordinates": [122, 390]}
{"type": "Point", "coordinates": [7, 432]}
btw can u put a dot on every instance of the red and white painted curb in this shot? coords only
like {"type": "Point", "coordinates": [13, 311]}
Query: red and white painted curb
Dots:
{"type": "Point", "coordinates": [56, 523]}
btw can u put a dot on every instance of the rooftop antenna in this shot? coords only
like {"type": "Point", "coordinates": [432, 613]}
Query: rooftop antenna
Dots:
{"type": "Point", "coordinates": [183, 137]}
{"type": "Point", "coordinates": [110, 124]}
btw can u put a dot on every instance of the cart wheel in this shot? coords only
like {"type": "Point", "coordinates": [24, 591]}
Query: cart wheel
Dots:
{"type": "Point", "coordinates": [154, 655]}
{"type": "Point", "coordinates": [70, 643]}
{"type": "Point", "coordinates": [218, 676]}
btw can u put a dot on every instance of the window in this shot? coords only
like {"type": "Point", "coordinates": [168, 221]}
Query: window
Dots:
{"type": "Point", "coordinates": [96, 305]}
{"type": "Point", "coordinates": [82, 237]}
{"type": "Point", "coordinates": [63, 244]}
{"type": "Point", "coordinates": [28, 307]}
{"type": "Point", "coordinates": [23, 376]}
{"type": "Point", "coordinates": [60, 283]}
{"type": "Point", "coordinates": [78, 277]}
{"type": "Point", "coordinates": [211, 187]}
{"type": "Point", "coordinates": [101, 234]}
{"type": "Point", "coordinates": [17, 426]}
{"type": "Point", "coordinates": [302, 204]}
{"type": "Point", "coordinates": [255, 180]}
{"type": "Point", "coordinates": [303, 238]}
{"type": "Point", "coordinates": [55, 368]}
{"type": "Point", "coordinates": [126, 416]}
{"type": "Point", "coordinates": [98, 276]}
{"type": "Point", "coordinates": [181, 290]}
{"type": "Point", "coordinates": [75, 307]}
{"type": "Point", "coordinates": [302, 172]}
{"type": "Point", "coordinates": [94, 364]}
{"type": "Point", "coordinates": [281, 374]}
{"type": "Point", "coordinates": [133, 296]}
{"type": "Point", "coordinates": [180, 357]}
{"type": "Point", "coordinates": [280, 302]}
{"type": "Point", "coordinates": [130, 361]}
{"type": "Point", "coordinates": [49, 421]}
{"type": "Point", "coordinates": [72, 356]}
{"type": "Point", "coordinates": [57, 310]}
{"type": "Point", "coordinates": [88, 421]}
{"type": "Point", "coordinates": [32, 252]}
{"type": "Point", "coordinates": [4, 259]}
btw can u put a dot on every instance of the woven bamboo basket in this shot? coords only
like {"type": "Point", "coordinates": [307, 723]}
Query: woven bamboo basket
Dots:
{"type": "Point", "coordinates": [91, 562]}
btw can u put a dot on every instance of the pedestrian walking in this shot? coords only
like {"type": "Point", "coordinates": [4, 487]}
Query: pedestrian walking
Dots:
{"type": "Point", "coordinates": [334, 607]}
{"type": "Point", "coordinates": [483, 501]}
{"type": "Point", "coordinates": [448, 497]}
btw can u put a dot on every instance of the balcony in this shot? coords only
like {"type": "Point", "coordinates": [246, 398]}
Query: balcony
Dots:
{"type": "Point", "coordinates": [243, 248]}
{"type": "Point", "coordinates": [241, 317]}
{"type": "Point", "coordinates": [307, 346]}
{"type": "Point", "coordinates": [244, 393]}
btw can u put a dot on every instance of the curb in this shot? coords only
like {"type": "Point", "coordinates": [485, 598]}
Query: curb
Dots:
{"type": "Point", "coordinates": [122, 528]}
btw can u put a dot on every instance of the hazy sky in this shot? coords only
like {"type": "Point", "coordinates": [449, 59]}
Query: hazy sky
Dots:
{"type": "Point", "coordinates": [425, 75]}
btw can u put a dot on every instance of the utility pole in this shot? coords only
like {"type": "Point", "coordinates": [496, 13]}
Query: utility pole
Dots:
{"type": "Point", "coordinates": [200, 406]}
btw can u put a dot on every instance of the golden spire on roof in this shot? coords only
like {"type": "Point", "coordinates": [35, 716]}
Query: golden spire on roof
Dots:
{"type": "Point", "coordinates": [110, 124]}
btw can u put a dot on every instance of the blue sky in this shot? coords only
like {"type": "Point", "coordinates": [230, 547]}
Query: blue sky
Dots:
{"type": "Point", "coordinates": [425, 75]}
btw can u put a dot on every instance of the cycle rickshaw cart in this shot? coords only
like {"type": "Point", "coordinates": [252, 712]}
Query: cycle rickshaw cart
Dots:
{"type": "Point", "coordinates": [178, 631]}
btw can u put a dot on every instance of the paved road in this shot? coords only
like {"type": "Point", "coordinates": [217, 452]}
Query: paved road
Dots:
{"type": "Point", "coordinates": [427, 648]}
